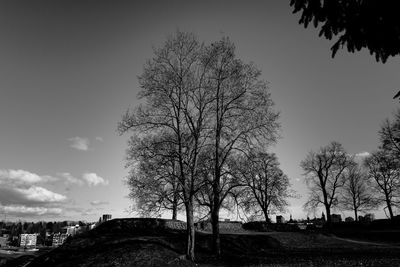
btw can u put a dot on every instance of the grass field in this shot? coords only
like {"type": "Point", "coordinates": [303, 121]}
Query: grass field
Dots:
{"type": "Point", "coordinates": [120, 244]}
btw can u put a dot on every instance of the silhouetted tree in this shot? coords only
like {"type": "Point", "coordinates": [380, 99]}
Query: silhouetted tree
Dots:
{"type": "Point", "coordinates": [324, 173]}
{"type": "Point", "coordinates": [202, 97]}
{"type": "Point", "coordinates": [152, 178]}
{"type": "Point", "coordinates": [356, 193]}
{"type": "Point", "coordinates": [242, 114]}
{"type": "Point", "coordinates": [386, 172]}
{"type": "Point", "coordinates": [205, 196]}
{"type": "Point", "coordinates": [176, 102]}
{"type": "Point", "coordinates": [370, 24]}
{"type": "Point", "coordinates": [389, 135]}
{"type": "Point", "coordinates": [265, 188]}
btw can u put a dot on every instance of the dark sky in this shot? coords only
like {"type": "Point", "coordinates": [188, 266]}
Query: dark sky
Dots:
{"type": "Point", "coordinates": [68, 71]}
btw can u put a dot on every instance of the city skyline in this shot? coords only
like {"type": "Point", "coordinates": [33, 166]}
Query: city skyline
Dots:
{"type": "Point", "coordinates": [69, 72]}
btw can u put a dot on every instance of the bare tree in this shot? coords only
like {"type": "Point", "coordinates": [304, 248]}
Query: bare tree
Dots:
{"type": "Point", "coordinates": [176, 102]}
{"type": "Point", "coordinates": [152, 179]}
{"type": "Point", "coordinates": [386, 173]}
{"type": "Point", "coordinates": [228, 182]}
{"type": "Point", "coordinates": [356, 193]}
{"type": "Point", "coordinates": [265, 188]}
{"type": "Point", "coordinates": [242, 114]}
{"type": "Point", "coordinates": [203, 98]}
{"type": "Point", "coordinates": [324, 173]}
{"type": "Point", "coordinates": [390, 135]}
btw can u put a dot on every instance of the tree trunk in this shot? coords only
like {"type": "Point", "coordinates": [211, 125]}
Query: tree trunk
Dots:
{"type": "Point", "coordinates": [215, 226]}
{"type": "Point", "coordinates": [355, 215]}
{"type": "Point", "coordinates": [175, 192]}
{"type": "Point", "coordinates": [190, 231]}
{"type": "Point", "coordinates": [175, 204]}
{"type": "Point", "coordinates": [389, 206]}
{"type": "Point", "coordinates": [174, 212]}
{"type": "Point", "coordinates": [328, 216]}
{"type": "Point", "coordinates": [267, 220]}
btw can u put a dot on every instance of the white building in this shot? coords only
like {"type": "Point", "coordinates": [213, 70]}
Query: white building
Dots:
{"type": "Point", "coordinates": [27, 240]}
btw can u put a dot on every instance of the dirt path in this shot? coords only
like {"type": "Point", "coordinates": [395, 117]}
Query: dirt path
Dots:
{"type": "Point", "coordinates": [365, 242]}
{"type": "Point", "coordinates": [296, 239]}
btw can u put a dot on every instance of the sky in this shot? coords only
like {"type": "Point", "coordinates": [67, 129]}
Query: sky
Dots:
{"type": "Point", "coordinates": [68, 71]}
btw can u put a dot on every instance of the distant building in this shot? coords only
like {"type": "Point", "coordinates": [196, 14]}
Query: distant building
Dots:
{"type": "Point", "coordinates": [59, 239]}
{"type": "Point", "coordinates": [106, 217]}
{"type": "Point", "coordinates": [72, 229]}
{"type": "Point", "coordinates": [323, 217]}
{"type": "Point", "coordinates": [280, 219]}
{"type": "Point", "coordinates": [27, 240]}
{"type": "Point", "coordinates": [369, 217]}
{"type": "Point", "coordinates": [336, 218]}
{"type": "Point", "coordinates": [3, 241]}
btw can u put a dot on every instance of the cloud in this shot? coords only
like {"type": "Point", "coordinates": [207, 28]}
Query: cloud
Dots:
{"type": "Point", "coordinates": [40, 194]}
{"type": "Point", "coordinates": [363, 154]}
{"type": "Point", "coordinates": [20, 177]}
{"type": "Point", "coordinates": [21, 191]}
{"type": "Point", "coordinates": [93, 179]}
{"type": "Point", "coordinates": [29, 196]}
{"type": "Point", "coordinates": [98, 203]}
{"type": "Point", "coordinates": [79, 143]}
{"type": "Point", "coordinates": [360, 157]}
{"type": "Point", "coordinates": [100, 139]}
{"type": "Point", "coordinates": [25, 211]}
{"type": "Point", "coordinates": [69, 179]}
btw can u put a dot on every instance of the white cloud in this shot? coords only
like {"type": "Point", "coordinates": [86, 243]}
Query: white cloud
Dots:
{"type": "Point", "coordinates": [93, 179]}
{"type": "Point", "coordinates": [22, 210]}
{"type": "Point", "coordinates": [20, 187]}
{"type": "Point", "coordinates": [79, 143]}
{"type": "Point", "coordinates": [98, 203]}
{"type": "Point", "coordinates": [69, 179]}
{"type": "Point", "coordinates": [363, 154]}
{"type": "Point", "coordinates": [40, 194]}
{"type": "Point", "coordinates": [100, 139]}
{"type": "Point", "coordinates": [20, 176]}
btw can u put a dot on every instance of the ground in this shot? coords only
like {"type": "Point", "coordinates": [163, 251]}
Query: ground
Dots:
{"type": "Point", "coordinates": [127, 243]}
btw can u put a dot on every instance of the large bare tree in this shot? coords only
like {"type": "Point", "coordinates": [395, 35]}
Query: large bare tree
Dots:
{"type": "Point", "coordinates": [203, 98]}
{"type": "Point", "coordinates": [324, 173]}
{"type": "Point", "coordinates": [242, 115]}
{"type": "Point", "coordinates": [356, 193]}
{"type": "Point", "coordinates": [385, 170]}
{"type": "Point", "coordinates": [175, 101]}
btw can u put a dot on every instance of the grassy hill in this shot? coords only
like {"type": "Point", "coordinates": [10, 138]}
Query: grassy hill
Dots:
{"type": "Point", "coordinates": [151, 242]}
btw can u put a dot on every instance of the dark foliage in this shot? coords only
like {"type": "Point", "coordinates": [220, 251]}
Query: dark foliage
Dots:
{"type": "Point", "coordinates": [370, 24]}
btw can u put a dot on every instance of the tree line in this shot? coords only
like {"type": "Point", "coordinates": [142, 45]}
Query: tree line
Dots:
{"type": "Point", "coordinates": [200, 138]}
{"type": "Point", "coordinates": [337, 180]}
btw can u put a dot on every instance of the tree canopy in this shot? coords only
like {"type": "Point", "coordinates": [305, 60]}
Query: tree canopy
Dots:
{"type": "Point", "coordinates": [358, 24]}
{"type": "Point", "coordinates": [324, 172]}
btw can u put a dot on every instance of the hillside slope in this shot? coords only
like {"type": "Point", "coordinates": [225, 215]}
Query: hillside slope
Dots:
{"type": "Point", "coordinates": [153, 242]}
